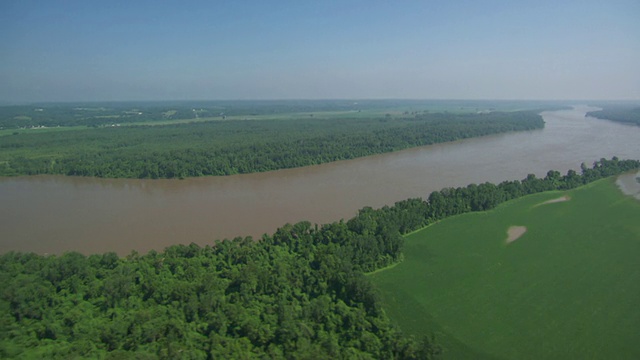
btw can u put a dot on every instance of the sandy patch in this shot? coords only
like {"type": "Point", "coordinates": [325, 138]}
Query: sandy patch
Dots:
{"type": "Point", "coordinates": [630, 184]}
{"type": "Point", "coordinates": [560, 199]}
{"type": "Point", "coordinates": [515, 232]}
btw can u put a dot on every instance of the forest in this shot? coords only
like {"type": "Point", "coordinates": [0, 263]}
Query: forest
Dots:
{"type": "Point", "coordinates": [240, 146]}
{"type": "Point", "coordinates": [300, 293]}
{"type": "Point", "coordinates": [626, 113]}
{"type": "Point", "coordinates": [103, 114]}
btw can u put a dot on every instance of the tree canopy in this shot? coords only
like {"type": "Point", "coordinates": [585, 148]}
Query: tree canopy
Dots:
{"type": "Point", "coordinates": [299, 293]}
{"type": "Point", "coordinates": [240, 146]}
{"type": "Point", "coordinates": [629, 114]}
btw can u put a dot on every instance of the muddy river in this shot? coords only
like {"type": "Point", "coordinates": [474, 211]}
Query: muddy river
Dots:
{"type": "Point", "coordinates": [53, 214]}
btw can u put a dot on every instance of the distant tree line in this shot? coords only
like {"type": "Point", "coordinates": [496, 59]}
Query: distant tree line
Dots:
{"type": "Point", "coordinates": [89, 115]}
{"type": "Point", "coordinates": [300, 293]}
{"type": "Point", "coordinates": [99, 114]}
{"type": "Point", "coordinates": [620, 113]}
{"type": "Point", "coordinates": [239, 147]}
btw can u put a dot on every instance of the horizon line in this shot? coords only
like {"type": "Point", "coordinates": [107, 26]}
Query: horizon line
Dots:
{"type": "Point", "coordinates": [35, 102]}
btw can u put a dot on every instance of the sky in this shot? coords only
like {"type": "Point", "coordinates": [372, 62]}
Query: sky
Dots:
{"type": "Point", "coordinates": [116, 50]}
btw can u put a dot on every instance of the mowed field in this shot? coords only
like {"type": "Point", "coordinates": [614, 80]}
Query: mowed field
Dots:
{"type": "Point", "coordinates": [568, 288]}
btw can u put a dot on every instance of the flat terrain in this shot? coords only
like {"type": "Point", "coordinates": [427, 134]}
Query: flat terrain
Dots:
{"type": "Point", "coordinates": [165, 141]}
{"type": "Point", "coordinates": [567, 288]}
{"type": "Point", "coordinates": [56, 117]}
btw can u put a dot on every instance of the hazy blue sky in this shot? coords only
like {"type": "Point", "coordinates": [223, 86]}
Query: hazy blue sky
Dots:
{"type": "Point", "coordinates": [153, 50]}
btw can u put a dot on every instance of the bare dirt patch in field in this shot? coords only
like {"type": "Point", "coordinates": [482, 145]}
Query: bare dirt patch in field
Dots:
{"type": "Point", "coordinates": [515, 232]}
{"type": "Point", "coordinates": [560, 199]}
{"type": "Point", "coordinates": [630, 184]}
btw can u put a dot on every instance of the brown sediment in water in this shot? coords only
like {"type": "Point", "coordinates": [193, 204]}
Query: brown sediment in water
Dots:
{"type": "Point", "coordinates": [53, 214]}
{"type": "Point", "coordinates": [515, 232]}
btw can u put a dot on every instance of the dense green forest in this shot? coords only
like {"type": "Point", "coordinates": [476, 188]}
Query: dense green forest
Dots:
{"type": "Point", "coordinates": [621, 113]}
{"type": "Point", "coordinates": [237, 147]}
{"type": "Point", "coordinates": [299, 293]}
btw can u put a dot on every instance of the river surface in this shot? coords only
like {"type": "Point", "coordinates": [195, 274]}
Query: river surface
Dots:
{"type": "Point", "coordinates": [53, 214]}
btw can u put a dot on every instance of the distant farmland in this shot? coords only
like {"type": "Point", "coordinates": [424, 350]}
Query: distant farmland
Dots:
{"type": "Point", "coordinates": [566, 289]}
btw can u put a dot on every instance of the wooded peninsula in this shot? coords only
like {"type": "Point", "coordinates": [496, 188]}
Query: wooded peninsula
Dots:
{"type": "Point", "coordinates": [624, 113]}
{"type": "Point", "coordinates": [178, 142]}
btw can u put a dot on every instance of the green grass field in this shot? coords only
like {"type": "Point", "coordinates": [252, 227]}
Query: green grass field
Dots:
{"type": "Point", "coordinates": [569, 288]}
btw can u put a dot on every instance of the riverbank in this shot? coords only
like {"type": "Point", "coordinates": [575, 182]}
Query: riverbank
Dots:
{"type": "Point", "coordinates": [53, 214]}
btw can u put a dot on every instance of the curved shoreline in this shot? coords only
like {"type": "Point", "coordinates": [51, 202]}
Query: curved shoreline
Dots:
{"type": "Point", "coordinates": [53, 214]}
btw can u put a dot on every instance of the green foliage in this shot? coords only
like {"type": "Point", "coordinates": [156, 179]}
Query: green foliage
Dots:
{"type": "Point", "coordinates": [296, 294]}
{"type": "Point", "coordinates": [105, 114]}
{"type": "Point", "coordinates": [91, 115]}
{"type": "Point", "coordinates": [233, 147]}
{"type": "Point", "coordinates": [566, 289]}
{"type": "Point", "coordinates": [412, 214]}
{"type": "Point", "coordinates": [299, 293]}
{"type": "Point", "coordinates": [629, 114]}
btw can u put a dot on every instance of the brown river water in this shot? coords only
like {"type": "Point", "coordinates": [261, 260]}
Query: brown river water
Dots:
{"type": "Point", "coordinates": [53, 214]}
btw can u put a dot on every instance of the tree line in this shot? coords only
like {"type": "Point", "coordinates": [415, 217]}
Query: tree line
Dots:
{"type": "Point", "coordinates": [298, 293]}
{"type": "Point", "coordinates": [621, 113]}
{"type": "Point", "coordinates": [100, 114]}
{"type": "Point", "coordinates": [239, 147]}
{"type": "Point", "coordinates": [87, 115]}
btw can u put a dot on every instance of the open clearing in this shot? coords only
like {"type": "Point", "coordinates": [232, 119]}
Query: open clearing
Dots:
{"type": "Point", "coordinates": [560, 199]}
{"type": "Point", "coordinates": [630, 184]}
{"type": "Point", "coordinates": [514, 233]}
{"type": "Point", "coordinates": [569, 290]}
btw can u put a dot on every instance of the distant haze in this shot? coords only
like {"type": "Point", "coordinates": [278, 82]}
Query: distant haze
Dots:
{"type": "Point", "coordinates": [150, 50]}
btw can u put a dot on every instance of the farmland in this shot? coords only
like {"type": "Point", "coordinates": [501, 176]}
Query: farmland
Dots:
{"type": "Point", "coordinates": [567, 288]}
